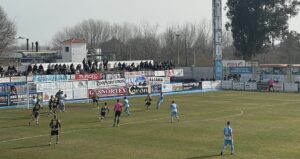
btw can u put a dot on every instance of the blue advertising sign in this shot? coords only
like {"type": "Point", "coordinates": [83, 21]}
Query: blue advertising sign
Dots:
{"type": "Point", "coordinates": [240, 70]}
{"type": "Point", "coordinates": [42, 78]}
{"type": "Point", "coordinates": [218, 70]}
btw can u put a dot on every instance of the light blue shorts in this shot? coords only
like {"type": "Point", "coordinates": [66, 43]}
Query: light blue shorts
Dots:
{"type": "Point", "coordinates": [173, 114]}
{"type": "Point", "coordinates": [228, 142]}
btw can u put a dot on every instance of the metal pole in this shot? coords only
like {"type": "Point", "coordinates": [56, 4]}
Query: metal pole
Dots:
{"type": "Point", "coordinates": [185, 50]}
{"type": "Point", "coordinates": [177, 40]}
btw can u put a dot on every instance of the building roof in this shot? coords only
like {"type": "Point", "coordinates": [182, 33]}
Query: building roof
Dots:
{"type": "Point", "coordinates": [74, 40]}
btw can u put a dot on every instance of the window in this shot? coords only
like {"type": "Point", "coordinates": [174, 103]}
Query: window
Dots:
{"type": "Point", "coordinates": [67, 49]}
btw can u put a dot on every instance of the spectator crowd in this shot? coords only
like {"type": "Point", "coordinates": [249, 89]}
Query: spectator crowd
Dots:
{"type": "Point", "coordinates": [87, 66]}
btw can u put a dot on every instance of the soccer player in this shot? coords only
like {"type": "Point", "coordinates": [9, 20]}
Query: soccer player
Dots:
{"type": "Point", "coordinates": [228, 138]}
{"type": "Point", "coordinates": [35, 113]}
{"type": "Point", "coordinates": [104, 111]}
{"type": "Point", "coordinates": [54, 126]}
{"type": "Point", "coordinates": [161, 99]}
{"type": "Point", "coordinates": [118, 110]}
{"type": "Point", "coordinates": [51, 103]}
{"type": "Point", "coordinates": [95, 99]}
{"type": "Point", "coordinates": [148, 101]}
{"type": "Point", "coordinates": [55, 104]}
{"type": "Point", "coordinates": [34, 100]}
{"type": "Point", "coordinates": [271, 84]}
{"type": "Point", "coordinates": [126, 104]}
{"type": "Point", "coordinates": [62, 103]}
{"type": "Point", "coordinates": [174, 111]}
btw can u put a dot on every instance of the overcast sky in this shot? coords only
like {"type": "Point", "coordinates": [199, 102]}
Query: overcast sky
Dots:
{"type": "Point", "coordinates": [39, 20]}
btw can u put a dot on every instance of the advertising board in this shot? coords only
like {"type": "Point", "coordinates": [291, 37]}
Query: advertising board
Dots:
{"type": "Point", "coordinates": [108, 92]}
{"type": "Point", "coordinates": [135, 90]}
{"type": "Point", "coordinates": [227, 85]}
{"type": "Point", "coordinates": [88, 76]}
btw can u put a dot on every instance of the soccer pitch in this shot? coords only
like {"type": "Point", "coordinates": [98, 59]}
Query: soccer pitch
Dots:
{"type": "Point", "coordinates": [265, 125]}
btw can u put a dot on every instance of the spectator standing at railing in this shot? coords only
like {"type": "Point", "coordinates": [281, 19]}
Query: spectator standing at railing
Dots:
{"type": "Point", "coordinates": [105, 63]}
{"type": "Point", "coordinates": [78, 68]}
{"type": "Point", "coordinates": [119, 66]}
{"type": "Point", "coordinates": [96, 62]}
{"type": "Point", "coordinates": [1, 71]}
{"type": "Point", "coordinates": [94, 68]}
{"type": "Point", "coordinates": [89, 64]}
{"type": "Point", "coordinates": [72, 69]}
{"type": "Point", "coordinates": [48, 72]}
{"type": "Point", "coordinates": [34, 70]}
{"type": "Point", "coordinates": [29, 69]}
{"type": "Point", "coordinates": [41, 69]}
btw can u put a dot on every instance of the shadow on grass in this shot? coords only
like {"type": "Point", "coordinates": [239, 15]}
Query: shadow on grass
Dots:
{"type": "Point", "coordinates": [204, 157]}
{"type": "Point", "coordinates": [33, 146]}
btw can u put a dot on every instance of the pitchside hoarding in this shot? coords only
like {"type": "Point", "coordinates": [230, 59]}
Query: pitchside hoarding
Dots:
{"type": "Point", "coordinates": [238, 86]}
{"type": "Point", "coordinates": [107, 83]}
{"type": "Point", "coordinates": [135, 90]}
{"type": "Point", "coordinates": [4, 80]}
{"type": "Point", "coordinates": [240, 70]}
{"type": "Point", "coordinates": [227, 85]}
{"type": "Point", "coordinates": [108, 92]}
{"type": "Point", "coordinates": [174, 73]}
{"type": "Point", "coordinates": [158, 80]}
{"type": "Point", "coordinates": [44, 78]}
{"type": "Point", "coordinates": [250, 86]}
{"type": "Point", "coordinates": [89, 76]}
{"type": "Point", "coordinates": [156, 88]}
{"type": "Point", "coordinates": [191, 86]}
{"type": "Point", "coordinates": [290, 87]}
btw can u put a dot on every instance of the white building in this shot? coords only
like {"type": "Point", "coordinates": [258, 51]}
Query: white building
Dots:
{"type": "Point", "coordinates": [73, 50]}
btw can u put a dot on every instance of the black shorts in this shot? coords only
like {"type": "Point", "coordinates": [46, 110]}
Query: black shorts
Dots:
{"type": "Point", "coordinates": [148, 103]}
{"type": "Point", "coordinates": [36, 114]}
{"type": "Point", "coordinates": [54, 132]}
{"type": "Point", "coordinates": [95, 100]}
{"type": "Point", "coordinates": [103, 113]}
{"type": "Point", "coordinates": [117, 113]}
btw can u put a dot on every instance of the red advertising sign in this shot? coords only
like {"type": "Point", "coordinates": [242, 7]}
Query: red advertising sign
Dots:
{"type": "Point", "coordinates": [108, 92]}
{"type": "Point", "coordinates": [89, 76]}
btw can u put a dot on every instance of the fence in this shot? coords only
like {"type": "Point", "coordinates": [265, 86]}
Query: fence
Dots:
{"type": "Point", "coordinates": [260, 86]}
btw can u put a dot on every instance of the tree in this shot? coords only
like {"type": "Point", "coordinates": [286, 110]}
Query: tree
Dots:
{"type": "Point", "coordinates": [7, 31]}
{"type": "Point", "coordinates": [290, 45]}
{"type": "Point", "coordinates": [255, 24]}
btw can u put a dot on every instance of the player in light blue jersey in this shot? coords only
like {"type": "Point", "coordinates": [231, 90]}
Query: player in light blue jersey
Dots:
{"type": "Point", "coordinates": [126, 105]}
{"type": "Point", "coordinates": [161, 99]}
{"type": "Point", "coordinates": [228, 138]}
{"type": "Point", "coordinates": [174, 111]}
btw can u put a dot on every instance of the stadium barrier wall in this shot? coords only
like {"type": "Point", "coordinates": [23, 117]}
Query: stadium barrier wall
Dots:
{"type": "Point", "coordinates": [82, 87]}
{"type": "Point", "coordinates": [260, 86]}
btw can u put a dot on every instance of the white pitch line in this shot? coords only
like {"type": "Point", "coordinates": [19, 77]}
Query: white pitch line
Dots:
{"type": "Point", "coordinates": [23, 138]}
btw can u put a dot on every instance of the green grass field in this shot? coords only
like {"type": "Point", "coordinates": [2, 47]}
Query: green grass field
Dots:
{"type": "Point", "coordinates": [265, 125]}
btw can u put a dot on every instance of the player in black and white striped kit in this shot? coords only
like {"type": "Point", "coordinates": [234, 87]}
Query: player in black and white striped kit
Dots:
{"type": "Point", "coordinates": [54, 126]}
